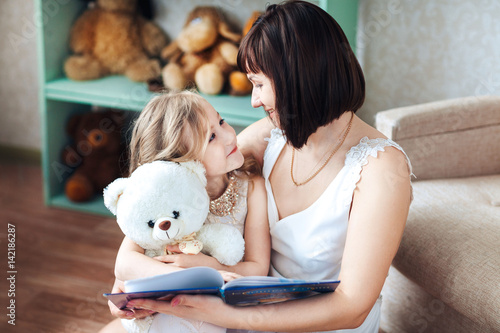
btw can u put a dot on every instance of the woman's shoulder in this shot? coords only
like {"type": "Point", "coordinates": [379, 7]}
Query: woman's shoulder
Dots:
{"type": "Point", "coordinates": [368, 141]}
{"type": "Point", "coordinates": [374, 153]}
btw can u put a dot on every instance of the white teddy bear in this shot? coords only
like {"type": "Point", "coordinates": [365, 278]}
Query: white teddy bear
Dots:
{"type": "Point", "coordinates": [164, 203]}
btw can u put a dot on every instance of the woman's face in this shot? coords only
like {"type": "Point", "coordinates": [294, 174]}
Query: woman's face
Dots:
{"type": "Point", "coordinates": [222, 155]}
{"type": "Point", "coordinates": [263, 94]}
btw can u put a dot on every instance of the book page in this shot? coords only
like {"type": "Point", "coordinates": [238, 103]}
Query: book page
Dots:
{"type": "Point", "coordinates": [255, 281]}
{"type": "Point", "coordinates": [192, 278]}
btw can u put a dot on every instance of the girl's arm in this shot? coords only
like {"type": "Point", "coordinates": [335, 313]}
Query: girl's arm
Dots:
{"type": "Point", "coordinates": [132, 263]}
{"type": "Point", "coordinates": [257, 239]}
{"type": "Point", "coordinates": [378, 216]}
{"type": "Point", "coordinates": [257, 236]}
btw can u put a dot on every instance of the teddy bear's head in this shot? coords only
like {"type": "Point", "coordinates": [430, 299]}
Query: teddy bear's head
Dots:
{"type": "Point", "coordinates": [160, 202]}
{"type": "Point", "coordinates": [96, 153]}
{"type": "Point", "coordinates": [96, 132]}
{"type": "Point", "coordinates": [202, 28]}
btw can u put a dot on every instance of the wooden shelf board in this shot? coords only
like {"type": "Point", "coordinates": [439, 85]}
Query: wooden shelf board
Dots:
{"type": "Point", "coordinates": [121, 93]}
{"type": "Point", "coordinates": [95, 206]}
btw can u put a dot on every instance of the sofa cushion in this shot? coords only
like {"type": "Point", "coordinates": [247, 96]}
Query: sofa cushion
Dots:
{"type": "Point", "coordinates": [407, 307]}
{"type": "Point", "coordinates": [452, 115]}
{"type": "Point", "coordinates": [451, 245]}
{"type": "Point", "coordinates": [436, 135]}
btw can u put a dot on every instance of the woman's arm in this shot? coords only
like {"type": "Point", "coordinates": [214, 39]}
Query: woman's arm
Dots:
{"type": "Point", "coordinates": [378, 216]}
{"type": "Point", "coordinates": [251, 140]}
{"type": "Point", "coordinates": [257, 239]}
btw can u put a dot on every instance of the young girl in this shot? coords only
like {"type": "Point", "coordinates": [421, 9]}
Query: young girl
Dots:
{"type": "Point", "coordinates": [180, 127]}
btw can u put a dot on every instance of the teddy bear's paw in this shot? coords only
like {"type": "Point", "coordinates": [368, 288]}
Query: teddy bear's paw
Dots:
{"type": "Point", "coordinates": [84, 68]}
{"type": "Point", "coordinates": [173, 77]}
{"type": "Point", "coordinates": [229, 52]}
{"type": "Point", "coordinates": [223, 242]}
{"type": "Point", "coordinates": [191, 247]}
{"type": "Point", "coordinates": [209, 79]}
{"type": "Point", "coordinates": [143, 70]}
{"type": "Point", "coordinates": [78, 188]}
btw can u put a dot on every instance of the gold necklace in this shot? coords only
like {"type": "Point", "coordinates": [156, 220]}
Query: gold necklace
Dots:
{"type": "Point", "coordinates": [327, 160]}
{"type": "Point", "coordinates": [223, 205]}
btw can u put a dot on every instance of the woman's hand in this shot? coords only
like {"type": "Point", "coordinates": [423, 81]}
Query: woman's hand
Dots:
{"type": "Point", "coordinates": [198, 307]}
{"type": "Point", "coordinates": [126, 314]}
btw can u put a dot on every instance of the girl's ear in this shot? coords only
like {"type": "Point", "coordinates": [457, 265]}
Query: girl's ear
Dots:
{"type": "Point", "coordinates": [113, 192]}
{"type": "Point", "coordinates": [197, 168]}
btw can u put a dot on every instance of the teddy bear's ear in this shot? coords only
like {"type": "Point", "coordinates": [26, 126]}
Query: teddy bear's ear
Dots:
{"type": "Point", "coordinates": [113, 192]}
{"type": "Point", "coordinates": [226, 32]}
{"type": "Point", "coordinates": [197, 168]}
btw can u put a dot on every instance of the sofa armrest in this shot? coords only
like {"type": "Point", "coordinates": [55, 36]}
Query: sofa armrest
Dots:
{"type": "Point", "coordinates": [449, 138]}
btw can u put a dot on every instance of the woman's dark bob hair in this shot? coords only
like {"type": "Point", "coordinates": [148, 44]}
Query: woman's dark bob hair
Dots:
{"type": "Point", "coordinates": [315, 74]}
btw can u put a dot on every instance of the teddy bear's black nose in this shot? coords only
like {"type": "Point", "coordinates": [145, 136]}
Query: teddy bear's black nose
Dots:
{"type": "Point", "coordinates": [164, 225]}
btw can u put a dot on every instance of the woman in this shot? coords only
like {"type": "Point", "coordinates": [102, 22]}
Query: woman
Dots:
{"type": "Point", "coordinates": [338, 190]}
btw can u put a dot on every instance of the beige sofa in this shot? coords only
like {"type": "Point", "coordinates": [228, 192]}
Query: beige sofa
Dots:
{"type": "Point", "coordinates": [446, 274]}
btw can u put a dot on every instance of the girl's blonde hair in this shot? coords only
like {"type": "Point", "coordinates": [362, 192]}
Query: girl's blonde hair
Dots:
{"type": "Point", "coordinates": [168, 129]}
{"type": "Point", "coordinates": [174, 127]}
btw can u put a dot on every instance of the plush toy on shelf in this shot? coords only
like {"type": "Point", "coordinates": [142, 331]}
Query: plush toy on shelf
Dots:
{"type": "Point", "coordinates": [112, 38]}
{"type": "Point", "coordinates": [204, 54]}
{"type": "Point", "coordinates": [251, 20]}
{"type": "Point", "coordinates": [238, 81]}
{"type": "Point", "coordinates": [97, 153]}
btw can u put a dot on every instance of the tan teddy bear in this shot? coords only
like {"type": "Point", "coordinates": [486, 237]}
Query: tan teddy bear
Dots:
{"type": "Point", "coordinates": [204, 54]}
{"type": "Point", "coordinates": [112, 38]}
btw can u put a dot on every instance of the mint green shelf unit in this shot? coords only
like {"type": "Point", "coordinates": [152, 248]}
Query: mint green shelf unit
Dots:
{"type": "Point", "coordinates": [60, 98]}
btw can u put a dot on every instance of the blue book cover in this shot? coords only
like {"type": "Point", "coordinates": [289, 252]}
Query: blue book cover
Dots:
{"type": "Point", "coordinates": [249, 290]}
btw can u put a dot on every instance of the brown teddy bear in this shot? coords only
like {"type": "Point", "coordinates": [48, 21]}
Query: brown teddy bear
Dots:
{"type": "Point", "coordinates": [96, 154]}
{"type": "Point", "coordinates": [204, 53]}
{"type": "Point", "coordinates": [112, 38]}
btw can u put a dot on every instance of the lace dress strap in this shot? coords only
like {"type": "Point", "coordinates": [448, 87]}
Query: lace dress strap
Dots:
{"type": "Point", "coordinates": [357, 157]}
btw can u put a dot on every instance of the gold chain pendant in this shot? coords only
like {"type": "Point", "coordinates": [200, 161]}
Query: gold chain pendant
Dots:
{"type": "Point", "coordinates": [327, 160]}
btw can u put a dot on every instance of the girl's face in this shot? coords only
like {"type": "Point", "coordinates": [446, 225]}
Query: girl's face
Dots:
{"type": "Point", "coordinates": [222, 155]}
{"type": "Point", "coordinates": [263, 94]}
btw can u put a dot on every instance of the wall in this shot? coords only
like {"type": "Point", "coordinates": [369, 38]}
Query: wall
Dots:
{"type": "Point", "coordinates": [411, 51]}
{"type": "Point", "coordinates": [426, 50]}
{"type": "Point", "coordinates": [19, 118]}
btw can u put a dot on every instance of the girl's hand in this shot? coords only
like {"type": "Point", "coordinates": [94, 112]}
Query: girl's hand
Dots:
{"type": "Point", "coordinates": [229, 276]}
{"type": "Point", "coordinates": [126, 314]}
{"type": "Point", "coordinates": [174, 248]}
{"type": "Point", "coordinates": [188, 260]}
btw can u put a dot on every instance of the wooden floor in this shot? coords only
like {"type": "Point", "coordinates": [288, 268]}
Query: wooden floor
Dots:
{"type": "Point", "coordinates": [64, 259]}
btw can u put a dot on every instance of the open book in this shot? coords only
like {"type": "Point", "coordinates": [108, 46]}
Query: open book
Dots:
{"type": "Point", "coordinates": [249, 290]}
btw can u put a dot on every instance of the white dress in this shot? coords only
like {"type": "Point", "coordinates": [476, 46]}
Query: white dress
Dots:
{"type": "Point", "coordinates": [313, 251]}
{"type": "Point", "coordinates": [172, 324]}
